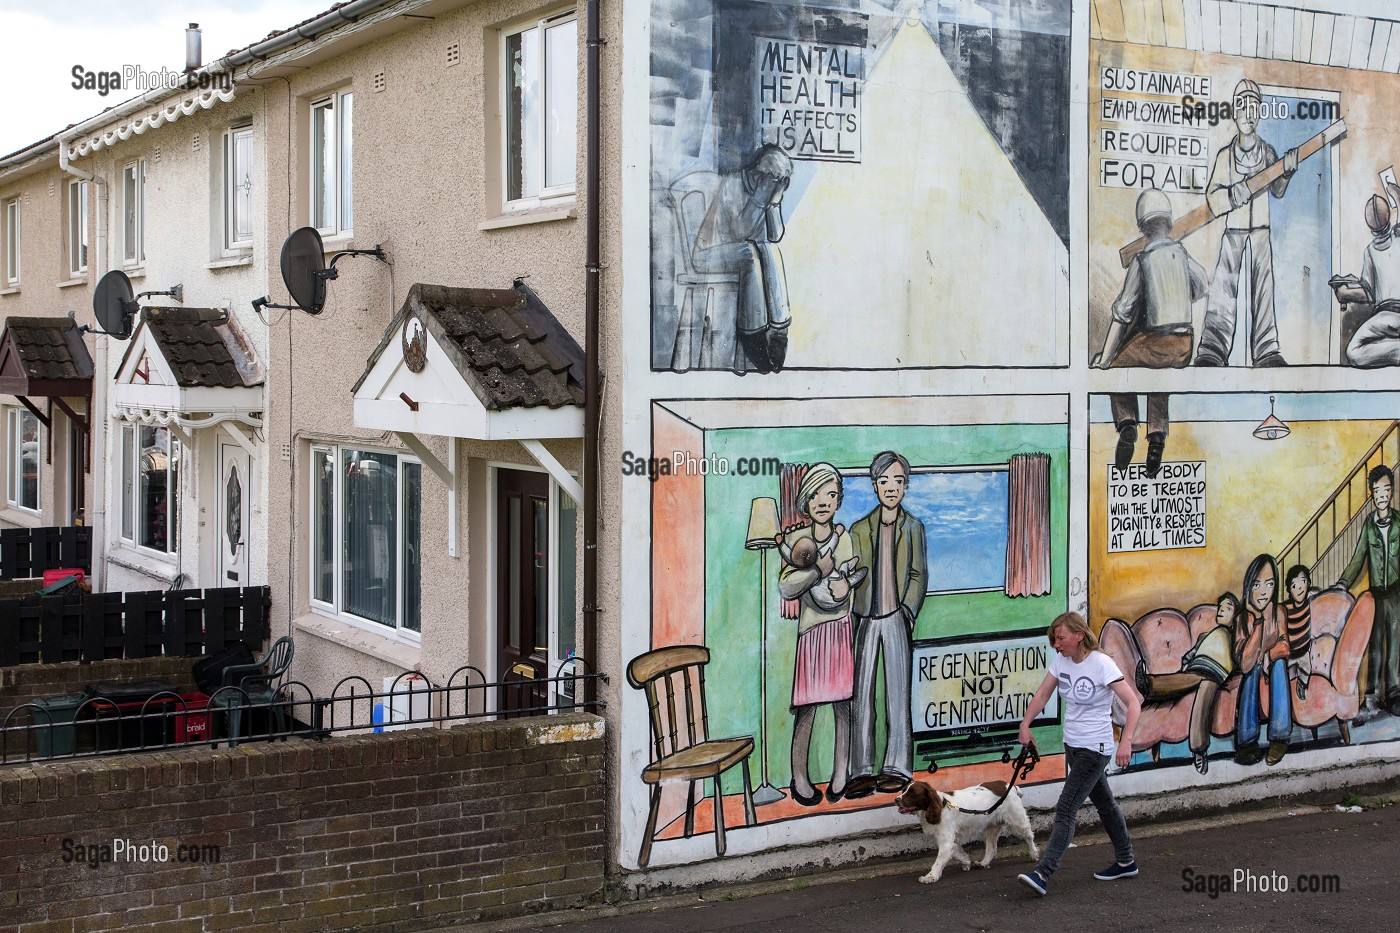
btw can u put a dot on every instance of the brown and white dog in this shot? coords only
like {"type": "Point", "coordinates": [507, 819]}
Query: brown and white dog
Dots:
{"type": "Point", "coordinates": [944, 817]}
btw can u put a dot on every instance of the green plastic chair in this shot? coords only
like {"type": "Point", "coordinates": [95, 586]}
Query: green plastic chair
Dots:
{"type": "Point", "coordinates": [260, 683]}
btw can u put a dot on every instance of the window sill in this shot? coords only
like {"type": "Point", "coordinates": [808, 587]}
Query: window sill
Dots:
{"type": "Point", "coordinates": [537, 215]}
{"type": "Point", "coordinates": [134, 272]}
{"type": "Point", "coordinates": [232, 262]}
{"type": "Point", "coordinates": [21, 518]}
{"type": "Point", "coordinates": [12, 290]}
{"type": "Point", "coordinates": [337, 243]}
{"type": "Point", "coordinates": [126, 556]}
{"type": "Point", "coordinates": [397, 651]}
{"type": "Point", "coordinates": [71, 282]}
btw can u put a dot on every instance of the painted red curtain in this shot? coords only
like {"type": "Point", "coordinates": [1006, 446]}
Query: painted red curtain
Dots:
{"type": "Point", "coordinates": [789, 515]}
{"type": "Point", "coordinates": [1028, 526]}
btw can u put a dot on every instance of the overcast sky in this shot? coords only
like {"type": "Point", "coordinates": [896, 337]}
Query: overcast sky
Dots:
{"type": "Point", "coordinates": [44, 39]}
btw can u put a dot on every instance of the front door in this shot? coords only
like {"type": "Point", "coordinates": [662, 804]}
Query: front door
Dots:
{"type": "Point", "coordinates": [235, 501]}
{"type": "Point", "coordinates": [522, 588]}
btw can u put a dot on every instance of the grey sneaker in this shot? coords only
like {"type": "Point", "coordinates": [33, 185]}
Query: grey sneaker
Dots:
{"type": "Point", "coordinates": [1369, 710]}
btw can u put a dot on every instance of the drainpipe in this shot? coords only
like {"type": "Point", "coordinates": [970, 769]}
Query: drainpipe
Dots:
{"type": "Point", "coordinates": [592, 383]}
{"type": "Point", "coordinates": [97, 409]}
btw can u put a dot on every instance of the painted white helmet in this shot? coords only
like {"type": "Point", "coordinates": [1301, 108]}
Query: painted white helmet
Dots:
{"type": "Point", "coordinates": [1153, 203]}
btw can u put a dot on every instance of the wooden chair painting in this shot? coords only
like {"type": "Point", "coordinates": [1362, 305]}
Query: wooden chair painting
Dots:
{"type": "Point", "coordinates": [682, 750]}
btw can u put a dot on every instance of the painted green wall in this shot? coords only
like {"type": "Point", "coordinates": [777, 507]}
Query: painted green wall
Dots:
{"type": "Point", "coordinates": [732, 589]}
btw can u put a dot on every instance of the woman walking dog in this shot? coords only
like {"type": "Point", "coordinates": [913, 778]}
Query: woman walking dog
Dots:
{"type": "Point", "coordinates": [1088, 680]}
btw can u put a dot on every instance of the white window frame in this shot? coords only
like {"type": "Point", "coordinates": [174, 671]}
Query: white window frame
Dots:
{"type": "Point", "coordinates": [559, 691]}
{"type": "Point", "coordinates": [134, 206]}
{"type": "Point", "coordinates": [14, 461]}
{"type": "Point", "coordinates": [233, 243]}
{"type": "Point", "coordinates": [334, 607]}
{"type": "Point", "coordinates": [77, 227]}
{"type": "Point", "coordinates": [546, 192]}
{"type": "Point", "coordinates": [13, 221]}
{"type": "Point", "coordinates": [340, 222]}
{"type": "Point", "coordinates": [130, 493]}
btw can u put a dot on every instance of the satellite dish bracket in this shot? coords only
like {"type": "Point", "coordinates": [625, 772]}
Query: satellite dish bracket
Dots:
{"type": "Point", "coordinates": [327, 274]}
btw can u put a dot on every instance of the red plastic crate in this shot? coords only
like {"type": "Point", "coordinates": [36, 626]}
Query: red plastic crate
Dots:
{"type": "Point", "coordinates": [53, 576]}
{"type": "Point", "coordinates": [192, 722]}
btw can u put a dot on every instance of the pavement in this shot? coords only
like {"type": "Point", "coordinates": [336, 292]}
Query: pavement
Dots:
{"type": "Point", "coordinates": [1293, 864]}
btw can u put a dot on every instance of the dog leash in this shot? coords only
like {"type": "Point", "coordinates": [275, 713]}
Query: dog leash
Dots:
{"type": "Point", "coordinates": [1025, 763]}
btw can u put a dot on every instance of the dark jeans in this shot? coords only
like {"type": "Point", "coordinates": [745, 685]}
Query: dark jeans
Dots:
{"type": "Point", "coordinates": [1280, 705]}
{"type": "Point", "coordinates": [1084, 780]}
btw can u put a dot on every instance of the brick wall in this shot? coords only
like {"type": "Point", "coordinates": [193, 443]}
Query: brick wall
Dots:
{"type": "Point", "coordinates": [397, 831]}
{"type": "Point", "coordinates": [23, 682]}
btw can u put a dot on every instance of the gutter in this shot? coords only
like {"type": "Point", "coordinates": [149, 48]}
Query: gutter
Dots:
{"type": "Point", "coordinates": [592, 379]}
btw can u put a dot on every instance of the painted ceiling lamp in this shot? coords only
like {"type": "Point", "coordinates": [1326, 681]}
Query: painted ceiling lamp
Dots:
{"type": "Point", "coordinates": [1271, 429]}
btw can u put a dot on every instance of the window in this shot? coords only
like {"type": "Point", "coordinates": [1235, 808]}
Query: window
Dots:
{"type": "Point", "coordinates": [541, 109]}
{"type": "Point", "coordinates": [77, 227]}
{"type": "Point", "coordinates": [150, 471]}
{"type": "Point", "coordinates": [134, 213]}
{"type": "Point", "coordinates": [964, 511]}
{"type": "Point", "coordinates": [22, 459]}
{"type": "Point", "coordinates": [332, 139]}
{"type": "Point", "coordinates": [238, 188]}
{"type": "Point", "coordinates": [12, 242]}
{"type": "Point", "coordinates": [365, 558]}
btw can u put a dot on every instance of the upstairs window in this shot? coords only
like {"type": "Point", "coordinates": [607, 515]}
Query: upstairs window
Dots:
{"type": "Point", "coordinates": [12, 242]}
{"type": "Point", "coordinates": [541, 109]}
{"type": "Point", "coordinates": [332, 139]}
{"type": "Point", "coordinates": [134, 213]}
{"type": "Point", "coordinates": [77, 228]}
{"type": "Point", "coordinates": [238, 188]}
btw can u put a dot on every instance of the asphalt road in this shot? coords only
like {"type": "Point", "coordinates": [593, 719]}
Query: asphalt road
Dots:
{"type": "Point", "coordinates": [1353, 857]}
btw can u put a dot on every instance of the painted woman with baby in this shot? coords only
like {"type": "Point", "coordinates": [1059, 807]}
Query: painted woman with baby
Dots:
{"type": "Point", "coordinates": [819, 571]}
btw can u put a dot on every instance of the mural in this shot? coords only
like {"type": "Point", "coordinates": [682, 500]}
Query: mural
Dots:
{"type": "Point", "coordinates": [819, 167]}
{"type": "Point", "coordinates": [1252, 629]}
{"type": "Point", "coordinates": [1237, 179]}
{"type": "Point", "coordinates": [871, 580]}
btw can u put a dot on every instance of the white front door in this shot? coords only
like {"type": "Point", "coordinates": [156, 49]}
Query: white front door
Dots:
{"type": "Point", "coordinates": [235, 510]}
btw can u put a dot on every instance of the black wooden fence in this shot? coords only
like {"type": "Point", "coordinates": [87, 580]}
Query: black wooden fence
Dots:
{"type": "Point", "coordinates": [96, 626]}
{"type": "Point", "coordinates": [28, 552]}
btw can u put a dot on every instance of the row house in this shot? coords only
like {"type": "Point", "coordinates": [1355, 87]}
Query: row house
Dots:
{"type": "Point", "coordinates": [400, 463]}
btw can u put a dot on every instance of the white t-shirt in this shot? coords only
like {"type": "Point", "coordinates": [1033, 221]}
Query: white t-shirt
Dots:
{"type": "Point", "coordinates": [1088, 700]}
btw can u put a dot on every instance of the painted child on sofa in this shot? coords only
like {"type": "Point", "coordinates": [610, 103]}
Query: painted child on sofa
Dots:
{"type": "Point", "coordinates": [1297, 617]}
{"type": "Point", "coordinates": [1204, 669]}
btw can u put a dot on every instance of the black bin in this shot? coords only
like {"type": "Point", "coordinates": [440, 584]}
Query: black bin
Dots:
{"type": "Point", "coordinates": [124, 718]}
{"type": "Point", "coordinates": [209, 671]}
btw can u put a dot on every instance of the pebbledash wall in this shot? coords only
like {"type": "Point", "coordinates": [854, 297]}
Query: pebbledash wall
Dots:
{"type": "Point", "coordinates": [398, 831]}
{"type": "Point", "coordinates": [866, 225]}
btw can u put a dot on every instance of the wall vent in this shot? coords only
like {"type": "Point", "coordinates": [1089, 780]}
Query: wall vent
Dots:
{"type": "Point", "coordinates": [378, 81]}
{"type": "Point", "coordinates": [454, 54]}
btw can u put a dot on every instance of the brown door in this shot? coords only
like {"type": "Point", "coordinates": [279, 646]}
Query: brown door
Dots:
{"type": "Point", "coordinates": [522, 587]}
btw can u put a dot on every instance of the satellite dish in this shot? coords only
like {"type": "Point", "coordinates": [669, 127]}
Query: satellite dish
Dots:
{"type": "Point", "coordinates": [114, 304]}
{"type": "Point", "coordinates": [305, 273]}
{"type": "Point", "coordinates": [303, 261]}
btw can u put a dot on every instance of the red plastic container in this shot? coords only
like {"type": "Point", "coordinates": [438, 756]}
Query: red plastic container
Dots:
{"type": "Point", "coordinates": [53, 576]}
{"type": "Point", "coordinates": [192, 722]}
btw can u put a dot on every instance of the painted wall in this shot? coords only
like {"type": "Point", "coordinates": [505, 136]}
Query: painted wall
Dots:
{"type": "Point", "coordinates": [932, 270]}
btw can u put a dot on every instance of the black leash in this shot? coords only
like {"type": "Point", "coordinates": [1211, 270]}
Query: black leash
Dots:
{"type": "Point", "coordinates": [1025, 763]}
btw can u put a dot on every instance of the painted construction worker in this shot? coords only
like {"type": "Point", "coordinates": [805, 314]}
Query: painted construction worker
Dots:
{"type": "Point", "coordinates": [1151, 325]}
{"type": "Point", "coordinates": [1246, 242]}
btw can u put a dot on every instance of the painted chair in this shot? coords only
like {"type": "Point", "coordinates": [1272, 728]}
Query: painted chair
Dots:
{"type": "Point", "coordinates": [253, 686]}
{"type": "Point", "coordinates": [673, 679]}
{"type": "Point", "coordinates": [707, 302]}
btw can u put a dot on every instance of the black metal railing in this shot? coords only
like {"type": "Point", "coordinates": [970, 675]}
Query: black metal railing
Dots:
{"type": "Point", "coordinates": [79, 626]}
{"type": "Point", "coordinates": [28, 552]}
{"type": "Point", "coordinates": [93, 726]}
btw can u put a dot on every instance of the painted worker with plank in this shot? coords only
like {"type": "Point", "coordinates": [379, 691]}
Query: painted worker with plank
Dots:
{"type": "Point", "coordinates": [1246, 241]}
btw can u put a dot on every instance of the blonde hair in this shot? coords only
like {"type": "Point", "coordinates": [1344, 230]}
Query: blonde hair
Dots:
{"type": "Point", "coordinates": [1073, 622]}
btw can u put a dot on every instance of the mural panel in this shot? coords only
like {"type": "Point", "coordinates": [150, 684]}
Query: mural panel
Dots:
{"type": "Point", "coordinates": [866, 585]}
{"type": "Point", "coordinates": [1247, 587]}
{"type": "Point", "coordinates": [839, 184]}
{"type": "Point", "coordinates": [1241, 200]}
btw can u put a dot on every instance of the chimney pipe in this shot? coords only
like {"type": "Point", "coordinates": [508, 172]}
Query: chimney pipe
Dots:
{"type": "Point", "coordinates": [194, 56]}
